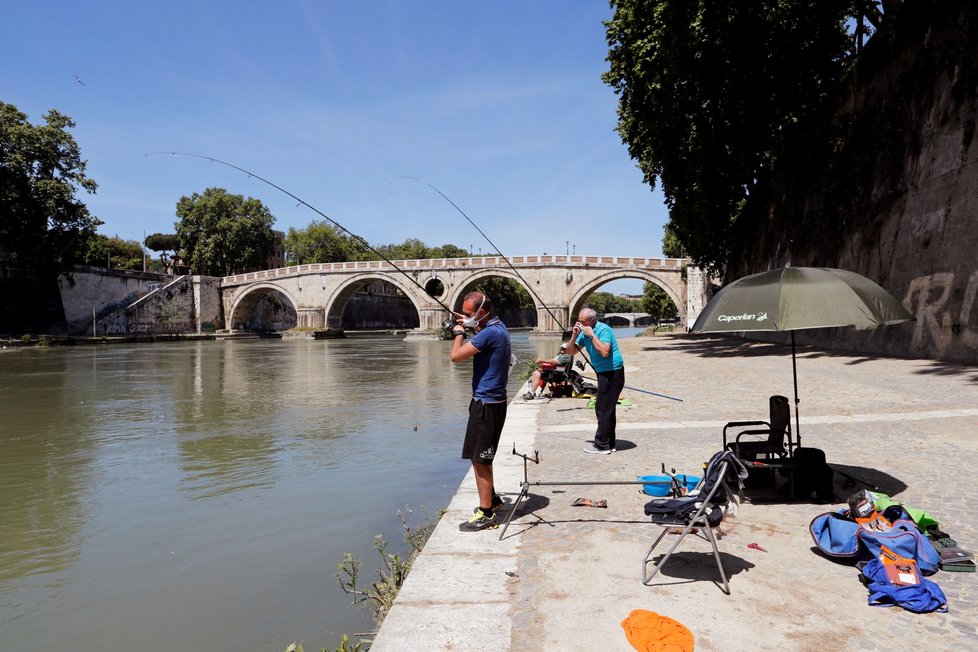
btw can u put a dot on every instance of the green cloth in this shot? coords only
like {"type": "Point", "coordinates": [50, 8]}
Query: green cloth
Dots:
{"type": "Point", "coordinates": [622, 401]}
{"type": "Point", "coordinates": [919, 516]}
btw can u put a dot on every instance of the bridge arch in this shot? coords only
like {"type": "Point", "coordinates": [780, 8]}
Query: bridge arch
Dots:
{"type": "Point", "coordinates": [340, 297]}
{"type": "Point", "coordinates": [248, 313]}
{"type": "Point", "coordinates": [578, 298]}
{"type": "Point", "coordinates": [466, 285]}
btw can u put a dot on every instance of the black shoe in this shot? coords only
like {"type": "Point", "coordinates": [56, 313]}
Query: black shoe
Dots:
{"type": "Point", "coordinates": [479, 521]}
{"type": "Point", "coordinates": [497, 502]}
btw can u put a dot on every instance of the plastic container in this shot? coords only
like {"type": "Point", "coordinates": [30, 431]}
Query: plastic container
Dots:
{"type": "Point", "coordinates": [660, 485]}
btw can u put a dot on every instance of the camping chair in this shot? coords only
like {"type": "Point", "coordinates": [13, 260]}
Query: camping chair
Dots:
{"type": "Point", "coordinates": [777, 432]}
{"type": "Point", "coordinates": [555, 378]}
{"type": "Point", "coordinates": [702, 509]}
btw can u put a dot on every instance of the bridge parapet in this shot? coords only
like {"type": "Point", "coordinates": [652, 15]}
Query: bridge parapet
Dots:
{"type": "Point", "coordinates": [560, 285]}
{"type": "Point", "coordinates": [453, 264]}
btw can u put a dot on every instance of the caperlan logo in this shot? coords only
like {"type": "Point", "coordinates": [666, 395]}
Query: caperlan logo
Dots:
{"type": "Point", "coordinates": [745, 317]}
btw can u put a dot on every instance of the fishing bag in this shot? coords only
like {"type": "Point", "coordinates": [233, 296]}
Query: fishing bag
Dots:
{"type": "Point", "coordinates": [837, 535]}
{"type": "Point", "coordinates": [923, 597]}
{"type": "Point", "coordinates": [813, 475]}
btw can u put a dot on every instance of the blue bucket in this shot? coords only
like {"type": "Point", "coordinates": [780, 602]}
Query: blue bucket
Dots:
{"type": "Point", "coordinates": [659, 485]}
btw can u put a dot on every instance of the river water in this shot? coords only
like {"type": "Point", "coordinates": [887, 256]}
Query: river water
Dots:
{"type": "Point", "coordinates": [199, 495]}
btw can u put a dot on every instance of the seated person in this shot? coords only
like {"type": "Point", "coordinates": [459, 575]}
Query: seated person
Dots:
{"type": "Point", "coordinates": [549, 371]}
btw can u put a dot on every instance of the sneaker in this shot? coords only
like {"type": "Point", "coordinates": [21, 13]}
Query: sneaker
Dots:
{"type": "Point", "coordinates": [528, 396]}
{"type": "Point", "coordinates": [600, 451]}
{"type": "Point", "coordinates": [497, 502]}
{"type": "Point", "coordinates": [479, 521]}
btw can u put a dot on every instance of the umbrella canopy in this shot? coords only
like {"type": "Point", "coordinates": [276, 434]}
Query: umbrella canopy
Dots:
{"type": "Point", "coordinates": [799, 298]}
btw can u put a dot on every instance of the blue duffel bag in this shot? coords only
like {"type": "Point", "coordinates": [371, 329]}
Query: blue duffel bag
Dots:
{"type": "Point", "coordinates": [920, 598]}
{"type": "Point", "coordinates": [837, 535]}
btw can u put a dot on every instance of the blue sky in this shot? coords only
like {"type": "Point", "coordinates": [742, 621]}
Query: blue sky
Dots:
{"type": "Point", "coordinates": [498, 104]}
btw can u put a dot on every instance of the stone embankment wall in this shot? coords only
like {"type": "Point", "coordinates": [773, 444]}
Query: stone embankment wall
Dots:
{"type": "Point", "coordinates": [895, 194]}
{"type": "Point", "coordinates": [137, 303]}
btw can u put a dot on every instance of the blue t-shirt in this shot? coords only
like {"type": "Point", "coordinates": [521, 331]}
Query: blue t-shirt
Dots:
{"type": "Point", "coordinates": [604, 333]}
{"type": "Point", "coordinates": [490, 366]}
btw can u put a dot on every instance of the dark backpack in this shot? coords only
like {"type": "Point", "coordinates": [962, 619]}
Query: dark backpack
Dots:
{"type": "Point", "coordinates": [813, 475]}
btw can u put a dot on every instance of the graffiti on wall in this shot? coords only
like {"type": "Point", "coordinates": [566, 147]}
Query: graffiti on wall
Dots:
{"type": "Point", "coordinates": [943, 306]}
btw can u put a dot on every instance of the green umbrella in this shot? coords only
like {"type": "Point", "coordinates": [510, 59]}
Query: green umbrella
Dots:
{"type": "Point", "coordinates": [798, 298]}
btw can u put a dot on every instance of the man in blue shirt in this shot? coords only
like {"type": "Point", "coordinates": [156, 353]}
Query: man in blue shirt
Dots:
{"type": "Point", "coordinates": [491, 353]}
{"type": "Point", "coordinates": [602, 349]}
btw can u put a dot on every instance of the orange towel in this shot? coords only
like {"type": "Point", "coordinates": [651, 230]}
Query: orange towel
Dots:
{"type": "Point", "coordinates": [647, 631]}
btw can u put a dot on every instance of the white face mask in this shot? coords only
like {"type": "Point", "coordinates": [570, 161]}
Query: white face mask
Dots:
{"type": "Point", "coordinates": [473, 321]}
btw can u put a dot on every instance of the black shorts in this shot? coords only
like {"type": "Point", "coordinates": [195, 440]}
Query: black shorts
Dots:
{"type": "Point", "coordinates": [486, 422]}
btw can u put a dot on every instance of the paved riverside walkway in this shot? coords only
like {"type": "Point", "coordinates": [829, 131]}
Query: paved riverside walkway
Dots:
{"type": "Point", "coordinates": [564, 577]}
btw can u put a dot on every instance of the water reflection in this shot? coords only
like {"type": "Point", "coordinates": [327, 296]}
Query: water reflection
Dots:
{"type": "Point", "coordinates": [45, 464]}
{"type": "Point", "coordinates": [217, 483]}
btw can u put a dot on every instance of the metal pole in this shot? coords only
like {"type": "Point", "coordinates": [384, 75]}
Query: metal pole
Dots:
{"type": "Point", "coordinates": [794, 373]}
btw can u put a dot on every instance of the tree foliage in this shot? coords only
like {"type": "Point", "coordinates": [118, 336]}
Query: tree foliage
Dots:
{"type": "Point", "coordinates": [322, 242]}
{"type": "Point", "coordinates": [711, 93]}
{"type": "Point", "coordinates": [163, 243]}
{"type": "Point", "coordinates": [114, 253]}
{"type": "Point", "coordinates": [671, 246]}
{"type": "Point", "coordinates": [606, 302]}
{"type": "Point", "coordinates": [319, 242]}
{"type": "Point", "coordinates": [222, 234]}
{"type": "Point", "coordinates": [505, 293]}
{"type": "Point", "coordinates": [656, 302]}
{"type": "Point", "coordinates": [43, 227]}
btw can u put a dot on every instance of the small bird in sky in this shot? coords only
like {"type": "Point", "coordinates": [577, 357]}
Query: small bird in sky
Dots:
{"type": "Point", "coordinates": [78, 79]}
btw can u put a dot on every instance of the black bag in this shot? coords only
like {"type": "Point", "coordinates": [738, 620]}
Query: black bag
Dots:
{"type": "Point", "coordinates": [813, 475]}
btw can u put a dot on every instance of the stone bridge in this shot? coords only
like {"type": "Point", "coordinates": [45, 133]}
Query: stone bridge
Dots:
{"type": "Point", "coordinates": [628, 319]}
{"type": "Point", "coordinates": [319, 292]}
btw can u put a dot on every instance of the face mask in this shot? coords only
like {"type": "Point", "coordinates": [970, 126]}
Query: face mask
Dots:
{"type": "Point", "coordinates": [473, 321]}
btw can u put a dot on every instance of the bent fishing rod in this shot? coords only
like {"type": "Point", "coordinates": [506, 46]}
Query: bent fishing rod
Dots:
{"type": "Point", "coordinates": [527, 283]}
{"type": "Point", "coordinates": [355, 237]}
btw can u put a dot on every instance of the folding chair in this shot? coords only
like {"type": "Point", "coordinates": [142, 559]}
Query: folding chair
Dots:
{"type": "Point", "coordinates": [777, 432]}
{"type": "Point", "coordinates": [702, 509]}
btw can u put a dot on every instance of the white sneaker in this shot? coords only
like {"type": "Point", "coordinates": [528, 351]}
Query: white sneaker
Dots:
{"type": "Point", "coordinates": [599, 451]}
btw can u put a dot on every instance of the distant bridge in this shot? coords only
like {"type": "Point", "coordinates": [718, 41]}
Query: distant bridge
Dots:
{"type": "Point", "coordinates": [319, 292]}
{"type": "Point", "coordinates": [628, 319]}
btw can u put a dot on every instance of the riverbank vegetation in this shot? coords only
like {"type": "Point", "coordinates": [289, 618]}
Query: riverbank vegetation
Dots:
{"type": "Point", "coordinates": [394, 567]}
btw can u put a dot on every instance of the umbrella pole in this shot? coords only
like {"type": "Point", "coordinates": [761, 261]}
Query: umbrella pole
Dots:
{"type": "Point", "coordinates": [794, 373]}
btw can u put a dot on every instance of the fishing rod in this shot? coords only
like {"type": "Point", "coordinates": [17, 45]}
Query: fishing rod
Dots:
{"type": "Point", "coordinates": [355, 237]}
{"type": "Point", "coordinates": [515, 271]}
{"type": "Point", "coordinates": [527, 283]}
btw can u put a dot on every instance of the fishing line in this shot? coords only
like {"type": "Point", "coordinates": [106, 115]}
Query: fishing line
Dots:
{"type": "Point", "coordinates": [527, 283]}
{"type": "Point", "coordinates": [355, 237]}
{"type": "Point", "coordinates": [498, 252]}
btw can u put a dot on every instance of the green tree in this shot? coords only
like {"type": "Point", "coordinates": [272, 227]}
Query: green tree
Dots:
{"type": "Point", "coordinates": [656, 302]}
{"type": "Point", "coordinates": [222, 234]}
{"type": "Point", "coordinates": [448, 251]}
{"type": "Point", "coordinates": [711, 93]}
{"type": "Point", "coordinates": [671, 246]}
{"type": "Point", "coordinates": [114, 253]}
{"type": "Point", "coordinates": [319, 242]}
{"type": "Point", "coordinates": [606, 302]}
{"type": "Point", "coordinates": [505, 293]}
{"type": "Point", "coordinates": [43, 227]}
{"type": "Point", "coordinates": [163, 243]}
{"type": "Point", "coordinates": [410, 249]}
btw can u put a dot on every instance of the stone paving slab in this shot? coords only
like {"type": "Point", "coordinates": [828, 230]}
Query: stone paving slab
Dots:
{"type": "Point", "coordinates": [904, 425]}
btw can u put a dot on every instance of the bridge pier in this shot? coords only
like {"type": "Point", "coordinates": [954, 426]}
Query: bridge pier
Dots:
{"type": "Point", "coordinates": [546, 326]}
{"type": "Point", "coordinates": [314, 318]}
